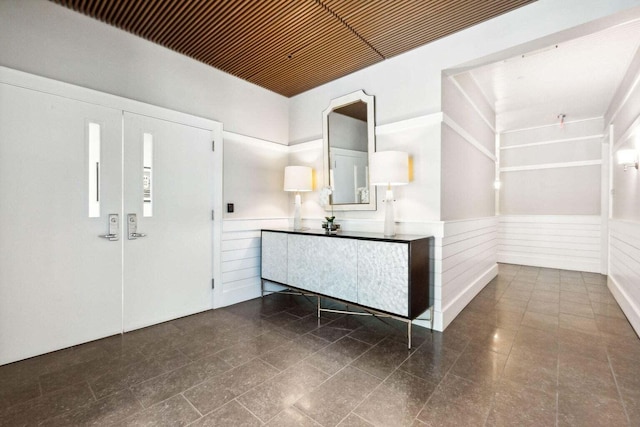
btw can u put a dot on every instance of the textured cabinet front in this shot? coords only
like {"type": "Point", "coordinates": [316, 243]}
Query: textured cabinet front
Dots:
{"type": "Point", "coordinates": [274, 256]}
{"type": "Point", "coordinates": [387, 275]}
{"type": "Point", "coordinates": [324, 265]}
{"type": "Point", "coordinates": [383, 276]}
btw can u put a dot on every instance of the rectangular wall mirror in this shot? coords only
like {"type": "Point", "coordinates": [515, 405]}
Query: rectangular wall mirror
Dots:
{"type": "Point", "coordinates": [348, 142]}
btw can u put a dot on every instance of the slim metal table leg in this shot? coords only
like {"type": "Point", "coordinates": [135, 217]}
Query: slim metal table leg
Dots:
{"type": "Point", "coordinates": [318, 306]}
{"type": "Point", "coordinates": [409, 333]}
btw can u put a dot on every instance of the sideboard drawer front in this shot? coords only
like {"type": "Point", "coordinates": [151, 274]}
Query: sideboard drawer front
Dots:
{"type": "Point", "coordinates": [274, 256]}
{"type": "Point", "coordinates": [383, 276]}
{"type": "Point", "coordinates": [323, 265]}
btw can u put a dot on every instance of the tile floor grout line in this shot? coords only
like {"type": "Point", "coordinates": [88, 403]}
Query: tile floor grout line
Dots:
{"type": "Point", "coordinates": [93, 393]}
{"type": "Point", "coordinates": [615, 380]}
{"type": "Point", "coordinates": [558, 387]}
{"type": "Point", "coordinates": [40, 390]}
{"type": "Point", "coordinates": [329, 378]}
{"type": "Point", "coordinates": [143, 408]}
{"type": "Point", "coordinates": [441, 379]}
{"type": "Point", "coordinates": [191, 404]}
{"type": "Point", "coordinates": [235, 399]}
{"type": "Point", "coordinates": [274, 367]}
{"type": "Point", "coordinates": [491, 405]}
{"type": "Point", "coordinates": [424, 405]}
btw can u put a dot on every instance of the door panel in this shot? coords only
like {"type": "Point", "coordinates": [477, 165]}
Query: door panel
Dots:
{"type": "Point", "coordinates": [167, 273]}
{"type": "Point", "coordinates": [60, 284]}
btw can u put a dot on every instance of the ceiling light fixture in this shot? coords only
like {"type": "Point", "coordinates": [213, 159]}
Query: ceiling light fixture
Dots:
{"type": "Point", "coordinates": [562, 116]}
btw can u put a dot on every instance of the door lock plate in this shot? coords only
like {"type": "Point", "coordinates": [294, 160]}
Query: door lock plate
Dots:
{"type": "Point", "coordinates": [114, 228]}
{"type": "Point", "coordinates": [132, 226]}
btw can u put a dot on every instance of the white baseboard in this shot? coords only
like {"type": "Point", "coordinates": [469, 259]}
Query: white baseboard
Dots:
{"type": "Point", "coordinates": [627, 305]}
{"type": "Point", "coordinates": [556, 262]}
{"type": "Point", "coordinates": [165, 317]}
{"type": "Point", "coordinates": [237, 295]}
{"type": "Point", "coordinates": [442, 319]}
{"type": "Point", "coordinates": [437, 322]}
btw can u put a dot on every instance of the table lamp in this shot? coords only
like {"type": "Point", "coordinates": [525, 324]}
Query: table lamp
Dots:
{"type": "Point", "coordinates": [297, 178]}
{"type": "Point", "coordinates": [389, 168]}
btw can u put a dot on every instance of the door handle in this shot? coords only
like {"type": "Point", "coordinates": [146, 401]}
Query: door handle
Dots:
{"type": "Point", "coordinates": [132, 227]}
{"type": "Point", "coordinates": [114, 228]}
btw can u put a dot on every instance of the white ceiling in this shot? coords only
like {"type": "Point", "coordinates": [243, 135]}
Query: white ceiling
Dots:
{"type": "Point", "coordinates": [578, 78]}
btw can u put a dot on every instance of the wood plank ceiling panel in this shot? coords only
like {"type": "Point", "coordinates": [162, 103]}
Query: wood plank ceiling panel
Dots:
{"type": "Point", "coordinates": [290, 46]}
{"type": "Point", "coordinates": [320, 49]}
{"type": "Point", "coordinates": [394, 27]}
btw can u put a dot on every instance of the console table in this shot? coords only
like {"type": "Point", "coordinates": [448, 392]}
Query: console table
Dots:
{"type": "Point", "coordinates": [385, 276]}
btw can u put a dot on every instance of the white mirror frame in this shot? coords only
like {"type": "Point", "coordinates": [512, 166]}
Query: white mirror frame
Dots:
{"type": "Point", "coordinates": [371, 146]}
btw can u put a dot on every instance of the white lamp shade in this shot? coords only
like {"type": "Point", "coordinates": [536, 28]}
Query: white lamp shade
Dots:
{"type": "Point", "coordinates": [298, 178]}
{"type": "Point", "coordinates": [627, 157]}
{"type": "Point", "coordinates": [389, 168]}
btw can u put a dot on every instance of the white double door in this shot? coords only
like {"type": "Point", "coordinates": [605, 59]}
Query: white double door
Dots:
{"type": "Point", "coordinates": [62, 284]}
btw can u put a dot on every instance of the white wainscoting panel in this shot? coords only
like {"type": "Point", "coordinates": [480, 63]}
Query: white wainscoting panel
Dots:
{"type": "Point", "coordinates": [569, 242]}
{"type": "Point", "coordinates": [241, 258]}
{"type": "Point", "coordinates": [624, 268]}
{"type": "Point", "coordinates": [468, 264]}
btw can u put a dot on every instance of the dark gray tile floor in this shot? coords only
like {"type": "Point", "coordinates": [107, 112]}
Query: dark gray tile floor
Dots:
{"type": "Point", "coordinates": [536, 347]}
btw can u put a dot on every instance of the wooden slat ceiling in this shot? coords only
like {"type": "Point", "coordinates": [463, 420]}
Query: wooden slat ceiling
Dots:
{"type": "Point", "coordinates": [290, 46]}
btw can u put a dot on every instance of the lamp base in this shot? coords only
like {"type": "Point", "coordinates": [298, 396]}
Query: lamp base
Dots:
{"type": "Point", "coordinates": [389, 221]}
{"type": "Point", "coordinates": [297, 219]}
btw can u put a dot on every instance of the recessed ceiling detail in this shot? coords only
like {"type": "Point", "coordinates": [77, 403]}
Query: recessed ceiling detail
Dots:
{"type": "Point", "coordinates": [564, 82]}
{"type": "Point", "coordinates": [290, 46]}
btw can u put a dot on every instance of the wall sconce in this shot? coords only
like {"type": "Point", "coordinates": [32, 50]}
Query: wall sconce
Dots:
{"type": "Point", "coordinates": [628, 158]}
{"type": "Point", "coordinates": [389, 168]}
{"type": "Point", "coordinates": [298, 178]}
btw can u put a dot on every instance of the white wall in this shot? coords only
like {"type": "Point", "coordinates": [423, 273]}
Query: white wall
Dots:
{"type": "Point", "coordinates": [624, 116]}
{"type": "Point", "coordinates": [49, 40]}
{"type": "Point", "coordinates": [624, 240]}
{"type": "Point", "coordinates": [468, 151]}
{"type": "Point", "coordinates": [550, 200]}
{"type": "Point", "coordinates": [467, 262]}
{"type": "Point", "coordinates": [254, 177]}
{"type": "Point", "coordinates": [467, 193]}
{"type": "Point", "coordinates": [552, 170]}
{"type": "Point", "coordinates": [568, 242]}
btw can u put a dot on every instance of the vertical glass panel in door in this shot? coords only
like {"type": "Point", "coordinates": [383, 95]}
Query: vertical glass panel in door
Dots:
{"type": "Point", "coordinates": [147, 175]}
{"type": "Point", "coordinates": [93, 166]}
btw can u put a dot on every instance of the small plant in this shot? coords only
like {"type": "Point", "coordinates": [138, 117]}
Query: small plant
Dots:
{"type": "Point", "coordinates": [325, 201]}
